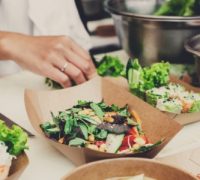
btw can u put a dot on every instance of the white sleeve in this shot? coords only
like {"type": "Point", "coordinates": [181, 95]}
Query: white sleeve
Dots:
{"type": "Point", "coordinates": [58, 17]}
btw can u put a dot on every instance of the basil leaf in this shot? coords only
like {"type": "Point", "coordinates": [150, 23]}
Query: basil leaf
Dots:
{"type": "Point", "coordinates": [84, 130]}
{"type": "Point", "coordinates": [88, 119]}
{"type": "Point", "coordinates": [77, 142]}
{"type": "Point", "coordinates": [68, 125]}
{"type": "Point", "coordinates": [97, 110]}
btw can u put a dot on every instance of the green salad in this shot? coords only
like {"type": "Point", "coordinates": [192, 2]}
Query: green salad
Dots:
{"type": "Point", "coordinates": [14, 138]}
{"type": "Point", "coordinates": [99, 127]}
{"type": "Point", "coordinates": [152, 85]}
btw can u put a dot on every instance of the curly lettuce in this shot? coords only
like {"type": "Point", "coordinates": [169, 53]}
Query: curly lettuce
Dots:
{"type": "Point", "coordinates": [111, 66]}
{"type": "Point", "coordinates": [15, 138]}
{"type": "Point", "coordinates": [142, 79]}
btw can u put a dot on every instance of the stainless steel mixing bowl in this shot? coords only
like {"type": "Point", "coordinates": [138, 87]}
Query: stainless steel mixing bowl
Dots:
{"type": "Point", "coordinates": [152, 38]}
{"type": "Point", "coordinates": [193, 46]}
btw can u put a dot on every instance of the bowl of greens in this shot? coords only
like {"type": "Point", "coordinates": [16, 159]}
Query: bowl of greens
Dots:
{"type": "Point", "coordinates": [158, 32]}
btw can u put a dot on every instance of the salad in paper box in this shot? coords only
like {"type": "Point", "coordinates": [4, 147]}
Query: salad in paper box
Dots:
{"type": "Point", "coordinates": [99, 127]}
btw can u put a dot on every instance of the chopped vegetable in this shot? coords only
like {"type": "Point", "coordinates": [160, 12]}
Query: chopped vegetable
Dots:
{"type": "Point", "coordinates": [113, 142]}
{"type": "Point", "coordinates": [99, 127]}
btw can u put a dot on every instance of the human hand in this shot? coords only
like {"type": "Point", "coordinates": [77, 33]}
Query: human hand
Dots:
{"type": "Point", "coordinates": [56, 57]}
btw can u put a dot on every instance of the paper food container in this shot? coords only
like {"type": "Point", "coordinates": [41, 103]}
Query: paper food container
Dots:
{"type": "Point", "coordinates": [102, 170]}
{"type": "Point", "coordinates": [155, 124]}
{"type": "Point", "coordinates": [18, 166]}
{"type": "Point", "coordinates": [184, 118]}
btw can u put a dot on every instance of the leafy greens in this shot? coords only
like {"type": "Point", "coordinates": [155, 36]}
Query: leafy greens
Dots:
{"type": "Point", "coordinates": [15, 138]}
{"type": "Point", "coordinates": [179, 8]}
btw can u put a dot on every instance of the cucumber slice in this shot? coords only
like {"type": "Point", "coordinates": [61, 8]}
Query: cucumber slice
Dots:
{"type": "Point", "coordinates": [113, 142]}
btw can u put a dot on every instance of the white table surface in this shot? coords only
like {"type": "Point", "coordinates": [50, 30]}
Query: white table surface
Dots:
{"type": "Point", "coordinates": [46, 163]}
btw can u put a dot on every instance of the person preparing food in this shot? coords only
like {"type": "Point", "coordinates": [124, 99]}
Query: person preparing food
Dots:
{"type": "Point", "coordinates": [23, 29]}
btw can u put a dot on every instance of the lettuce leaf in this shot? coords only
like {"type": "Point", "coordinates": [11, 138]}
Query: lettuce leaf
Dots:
{"type": "Point", "coordinates": [142, 79]}
{"type": "Point", "coordinates": [15, 138]}
{"type": "Point", "coordinates": [195, 107]}
{"type": "Point", "coordinates": [111, 66]}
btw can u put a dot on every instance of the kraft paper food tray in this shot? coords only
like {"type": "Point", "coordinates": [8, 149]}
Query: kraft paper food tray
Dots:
{"type": "Point", "coordinates": [188, 160]}
{"type": "Point", "coordinates": [124, 167]}
{"type": "Point", "coordinates": [183, 119]}
{"type": "Point", "coordinates": [18, 166]}
{"type": "Point", "coordinates": [156, 125]}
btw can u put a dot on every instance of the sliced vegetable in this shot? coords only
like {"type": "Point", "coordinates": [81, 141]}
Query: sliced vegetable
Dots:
{"type": "Point", "coordinates": [113, 142]}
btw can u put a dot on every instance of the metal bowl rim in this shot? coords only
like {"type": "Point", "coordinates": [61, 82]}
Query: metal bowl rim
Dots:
{"type": "Point", "coordinates": [191, 49]}
{"type": "Point", "coordinates": [149, 17]}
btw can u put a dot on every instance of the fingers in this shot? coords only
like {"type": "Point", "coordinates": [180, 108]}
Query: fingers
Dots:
{"type": "Point", "coordinates": [58, 76]}
{"type": "Point", "coordinates": [75, 74]}
{"type": "Point", "coordinates": [79, 62]}
{"type": "Point", "coordinates": [84, 55]}
{"type": "Point", "coordinates": [79, 58]}
{"type": "Point", "coordinates": [70, 70]}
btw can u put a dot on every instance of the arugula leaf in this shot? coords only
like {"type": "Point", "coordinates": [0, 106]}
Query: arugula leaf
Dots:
{"type": "Point", "coordinates": [69, 124]}
{"type": "Point", "coordinates": [88, 119]}
{"type": "Point", "coordinates": [84, 130]}
{"type": "Point", "coordinates": [91, 129]}
{"type": "Point", "coordinates": [77, 142]}
{"type": "Point", "coordinates": [97, 110]}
